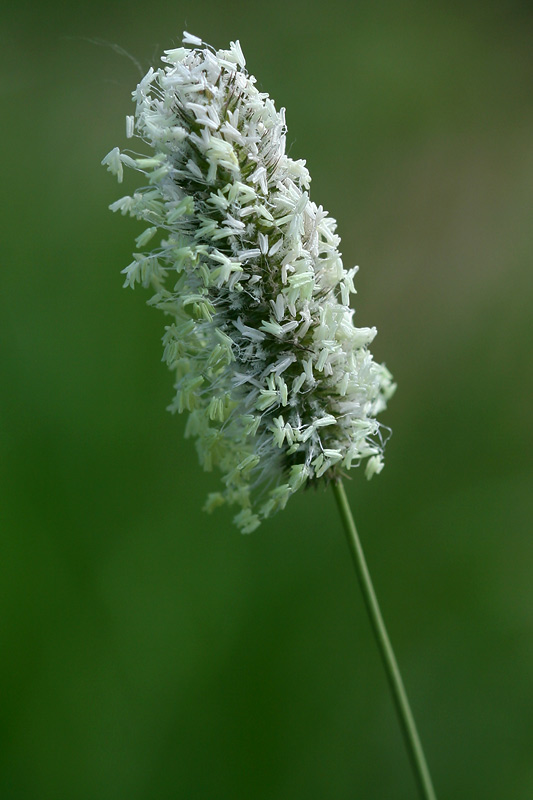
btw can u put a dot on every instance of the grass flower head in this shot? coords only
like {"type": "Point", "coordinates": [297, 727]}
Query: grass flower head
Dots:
{"type": "Point", "coordinates": [279, 385]}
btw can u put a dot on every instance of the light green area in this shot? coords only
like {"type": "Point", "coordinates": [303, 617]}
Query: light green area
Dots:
{"type": "Point", "coordinates": [147, 649]}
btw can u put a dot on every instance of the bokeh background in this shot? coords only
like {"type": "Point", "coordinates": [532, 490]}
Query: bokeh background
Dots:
{"type": "Point", "coordinates": [151, 651]}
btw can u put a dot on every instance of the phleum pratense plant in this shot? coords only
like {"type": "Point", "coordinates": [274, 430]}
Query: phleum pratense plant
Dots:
{"type": "Point", "coordinates": [280, 386]}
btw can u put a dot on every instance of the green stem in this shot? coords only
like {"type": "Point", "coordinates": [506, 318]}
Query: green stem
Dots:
{"type": "Point", "coordinates": [407, 722]}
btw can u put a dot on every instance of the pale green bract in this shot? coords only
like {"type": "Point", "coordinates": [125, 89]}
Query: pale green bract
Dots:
{"type": "Point", "coordinates": [280, 387]}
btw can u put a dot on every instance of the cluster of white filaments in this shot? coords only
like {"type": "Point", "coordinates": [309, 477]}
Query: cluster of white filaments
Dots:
{"type": "Point", "coordinates": [279, 385]}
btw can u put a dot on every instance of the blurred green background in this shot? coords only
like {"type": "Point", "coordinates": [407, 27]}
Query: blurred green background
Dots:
{"type": "Point", "coordinates": [151, 651]}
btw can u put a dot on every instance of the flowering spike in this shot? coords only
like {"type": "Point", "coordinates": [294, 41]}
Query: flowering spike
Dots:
{"type": "Point", "coordinates": [280, 386]}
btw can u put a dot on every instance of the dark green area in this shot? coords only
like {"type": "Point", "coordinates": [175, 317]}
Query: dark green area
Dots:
{"type": "Point", "coordinates": [151, 651]}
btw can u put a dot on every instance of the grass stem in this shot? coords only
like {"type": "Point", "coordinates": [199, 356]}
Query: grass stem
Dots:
{"type": "Point", "coordinates": [407, 722]}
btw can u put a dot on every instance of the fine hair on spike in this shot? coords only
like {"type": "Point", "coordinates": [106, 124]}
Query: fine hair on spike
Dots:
{"type": "Point", "coordinates": [121, 51]}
